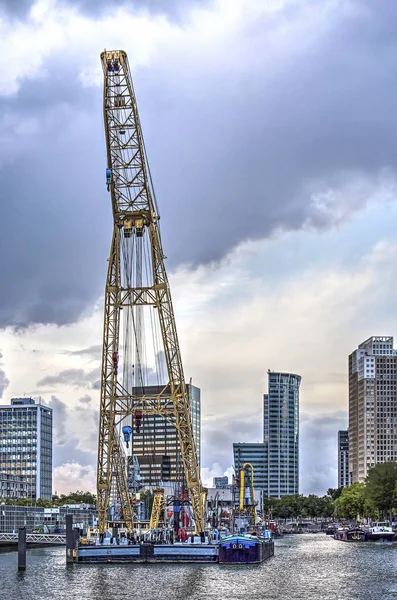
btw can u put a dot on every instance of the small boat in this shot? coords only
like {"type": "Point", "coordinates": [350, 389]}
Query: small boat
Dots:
{"type": "Point", "coordinates": [273, 526]}
{"type": "Point", "coordinates": [350, 534]}
{"type": "Point", "coordinates": [330, 529]}
{"type": "Point", "coordinates": [381, 532]}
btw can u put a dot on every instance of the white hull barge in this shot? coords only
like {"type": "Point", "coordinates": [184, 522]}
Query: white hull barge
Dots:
{"type": "Point", "coordinates": [147, 553]}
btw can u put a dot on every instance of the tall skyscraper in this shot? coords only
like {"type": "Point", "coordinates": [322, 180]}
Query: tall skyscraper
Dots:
{"type": "Point", "coordinates": [156, 445]}
{"type": "Point", "coordinates": [281, 434]}
{"type": "Point", "coordinates": [343, 458]}
{"type": "Point", "coordinates": [26, 445]}
{"type": "Point", "coordinates": [372, 405]}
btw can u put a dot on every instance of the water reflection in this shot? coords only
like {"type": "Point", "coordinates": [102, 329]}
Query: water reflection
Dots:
{"type": "Point", "coordinates": [307, 567]}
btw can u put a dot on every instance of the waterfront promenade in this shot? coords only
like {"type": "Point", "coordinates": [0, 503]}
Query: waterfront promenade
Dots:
{"type": "Point", "coordinates": [304, 567]}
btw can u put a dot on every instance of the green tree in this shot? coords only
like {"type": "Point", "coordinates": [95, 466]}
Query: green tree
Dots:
{"type": "Point", "coordinates": [351, 502]}
{"type": "Point", "coordinates": [289, 507]}
{"type": "Point", "coordinates": [334, 493]}
{"type": "Point", "coordinates": [270, 506]}
{"type": "Point", "coordinates": [326, 507]}
{"type": "Point", "coordinates": [380, 487]}
{"type": "Point", "coordinates": [43, 503]}
{"type": "Point", "coordinates": [78, 497]}
{"type": "Point", "coordinates": [311, 506]}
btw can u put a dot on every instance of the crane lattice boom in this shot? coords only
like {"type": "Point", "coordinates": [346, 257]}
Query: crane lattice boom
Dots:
{"type": "Point", "coordinates": [135, 218]}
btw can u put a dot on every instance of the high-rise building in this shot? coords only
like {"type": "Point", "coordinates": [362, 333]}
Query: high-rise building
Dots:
{"type": "Point", "coordinates": [156, 445]}
{"type": "Point", "coordinates": [281, 434]}
{"type": "Point", "coordinates": [343, 458]}
{"type": "Point", "coordinates": [220, 483]}
{"type": "Point", "coordinates": [253, 453]}
{"type": "Point", "coordinates": [372, 406]}
{"type": "Point", "coordinates": [26, 445]}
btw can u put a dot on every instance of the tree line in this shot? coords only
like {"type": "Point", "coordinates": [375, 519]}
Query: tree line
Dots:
{"type": "Point", "coordinates": [375, 499]}
{"type": "Point", "coordinates": [78, 497]}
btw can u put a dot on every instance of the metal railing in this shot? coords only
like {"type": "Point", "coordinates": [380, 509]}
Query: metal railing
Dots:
{"type": "Point", "coordinates": [36, 538]}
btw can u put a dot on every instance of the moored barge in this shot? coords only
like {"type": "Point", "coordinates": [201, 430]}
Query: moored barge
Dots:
{"type": "Point", "coordinates": [234, 549]}
{"type": "Point", "coordinates": [245, 549]}
{"type": "Point", "coordinates": [354, 534]}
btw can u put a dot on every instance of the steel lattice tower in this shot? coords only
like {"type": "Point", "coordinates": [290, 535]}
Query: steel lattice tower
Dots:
{"type": "Point", "coordinates": [134, 214]}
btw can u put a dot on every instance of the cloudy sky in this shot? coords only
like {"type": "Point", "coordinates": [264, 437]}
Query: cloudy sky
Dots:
{"type": "Point", "coordinates": [271, 132]}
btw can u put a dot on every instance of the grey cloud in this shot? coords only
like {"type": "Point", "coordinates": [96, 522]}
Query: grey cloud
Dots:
{"type": "Point", "coordinates": [94, 352]}
{"type": "Point", "coordinates": [235, 153]}
{"type": "Point", "coordinates": [319, 451]}
{"type": "Point", "coordinates": [173, 8]}
{"type": "Point", "coordinates": [70, 452]}
{"type": "Point", "coordinates": [73, 377]}
{"type": "Point", "coordinates": [18, 8]}
{"type": "Point", "coordinates": [218, 436]}
{"type": "Point", "coordinates": [86, 399]}
{"type": "Point", "coordinates": [252, 143]}
{"type": "Point", "coordinates": [3, 382]}
{"type": "Point", "coordinates": [76, 431]}
{"type": "Point", "coordinates": [59, 420]}
{"type": "Point", "coordinates": [63, 231]}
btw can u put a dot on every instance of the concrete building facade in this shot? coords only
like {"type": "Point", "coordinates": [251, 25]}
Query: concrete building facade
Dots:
{"type": "Point", "coordinates": [281, 434]}
{"type": "Point", "coordinates": [156, 445]}
{"type": "Point", "coordinates": [343, 458]}
{"type": "Point", "coordinates": [26, 445]}
{"type": "Point", "coordinates": [372, 406]}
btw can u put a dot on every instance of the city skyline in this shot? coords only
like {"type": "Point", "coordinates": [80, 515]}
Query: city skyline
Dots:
{"type": "Point", "coordinates": [278, 276]}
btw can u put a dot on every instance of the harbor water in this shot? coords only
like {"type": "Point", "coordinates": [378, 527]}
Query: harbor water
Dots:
{"type": "Point", "coordinates": [308, 567]}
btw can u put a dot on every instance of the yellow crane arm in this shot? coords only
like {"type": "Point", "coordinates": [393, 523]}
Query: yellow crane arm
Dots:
{"type": "Point", "coordinates": [158, 505]}
{"type": "Point", "coordinates": [242, 479]}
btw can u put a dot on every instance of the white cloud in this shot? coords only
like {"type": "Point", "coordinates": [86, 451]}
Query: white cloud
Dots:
{"type": "Point", "coordinates": [72, 476]}
{"type": "Point", "coordinates": [208, 473]}
{"type": "Point", "coordinates": [209, 35]}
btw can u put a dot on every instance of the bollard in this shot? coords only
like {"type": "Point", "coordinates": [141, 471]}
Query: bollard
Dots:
{"type": "Point", "coordinates": [69, 538]}
{"type": "Point", "coordinates": [22, 549]}
{"type": "Point", "coordinates": [76, 537]}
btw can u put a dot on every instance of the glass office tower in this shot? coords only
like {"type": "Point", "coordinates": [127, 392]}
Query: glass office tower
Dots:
{"type": "Point", "coordinates": [26, 444]}
{"type": "Point", "coordinates": [281, 434]}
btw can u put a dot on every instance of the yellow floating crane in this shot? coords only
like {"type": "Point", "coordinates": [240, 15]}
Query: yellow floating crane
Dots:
{"type": "Point", "coordinates": [136, 280]}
